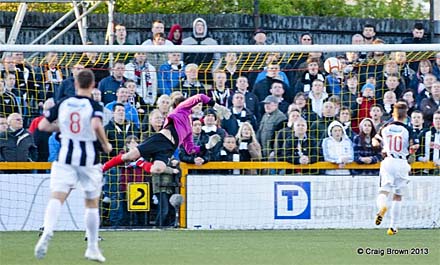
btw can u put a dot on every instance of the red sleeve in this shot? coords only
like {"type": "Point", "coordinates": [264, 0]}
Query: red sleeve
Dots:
{"type": "Point", "coordinates": [34, 124]}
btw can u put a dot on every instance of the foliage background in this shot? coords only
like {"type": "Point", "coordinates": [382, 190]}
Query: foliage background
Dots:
{"type": "Point", "coordinates": [399, 9]}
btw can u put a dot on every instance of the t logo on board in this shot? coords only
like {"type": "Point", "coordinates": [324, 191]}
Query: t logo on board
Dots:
{"type": "Point", "coordinates": [292, 200]}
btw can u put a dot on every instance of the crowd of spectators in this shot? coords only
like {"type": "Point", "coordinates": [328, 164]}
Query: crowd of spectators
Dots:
{"type": "Point", "coordinates": [283, 107]}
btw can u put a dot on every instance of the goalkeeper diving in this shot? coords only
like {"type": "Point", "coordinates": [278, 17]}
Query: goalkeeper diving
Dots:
{"type": "Point", "coordinates": [176, 131]}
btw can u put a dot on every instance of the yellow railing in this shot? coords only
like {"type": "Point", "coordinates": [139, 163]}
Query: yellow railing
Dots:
{"type": "Point", "coordinates": [225, 165]}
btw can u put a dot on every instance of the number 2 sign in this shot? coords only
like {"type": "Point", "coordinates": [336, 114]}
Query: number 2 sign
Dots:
{"type": "Point", "coordinates": [138, 197]}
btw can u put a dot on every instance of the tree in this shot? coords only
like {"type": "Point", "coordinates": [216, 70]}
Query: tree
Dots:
{"type": "Point", "coordinates": [399, 9]}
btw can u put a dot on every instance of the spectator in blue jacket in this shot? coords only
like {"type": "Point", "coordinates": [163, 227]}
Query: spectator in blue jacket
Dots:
{"type": "Point", "coordinates": [131, 113]}
{"type": "Point", "coordinates": [170, 74]}
{"type": "Point", "coordinates": [110, 84]}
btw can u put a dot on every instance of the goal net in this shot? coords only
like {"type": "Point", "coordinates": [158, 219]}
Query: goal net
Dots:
{"type": "Point", "coordinates": [282, 162]}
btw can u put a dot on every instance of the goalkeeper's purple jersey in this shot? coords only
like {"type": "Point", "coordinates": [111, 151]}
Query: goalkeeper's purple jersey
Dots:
{"type": "Point", "coordinates": [180, 118]}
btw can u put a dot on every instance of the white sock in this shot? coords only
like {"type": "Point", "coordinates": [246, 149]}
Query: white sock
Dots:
{"type": "Point", "coordinates": [381, 201]}
{"type": "Point", "coordinates": [51, 216]}
{"type": "Point", "coordinates": [91, 217]}
{"type": "Point", "coordinates": [395, 213]}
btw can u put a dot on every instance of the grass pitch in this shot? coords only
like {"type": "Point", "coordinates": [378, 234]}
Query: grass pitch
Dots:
{"type": "Point", "coordinates": [230, 247]}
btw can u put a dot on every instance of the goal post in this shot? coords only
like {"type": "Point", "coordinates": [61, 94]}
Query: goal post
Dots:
{"type": "Point", "coordinates": [253, 182]}
{"type": "Point", "coordinates": [198, 193]}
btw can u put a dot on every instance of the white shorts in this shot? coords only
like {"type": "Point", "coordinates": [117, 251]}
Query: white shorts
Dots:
{"type": "Point", "coordinates": [394, 175]}
{"type": "Point", "coordinates": [64, 177]}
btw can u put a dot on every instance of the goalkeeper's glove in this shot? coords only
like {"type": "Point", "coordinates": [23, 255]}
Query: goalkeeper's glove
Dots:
{"type": "Point", "coordinates": [222, 111]}
{"type": "Point", "coordinates": [213, 140]}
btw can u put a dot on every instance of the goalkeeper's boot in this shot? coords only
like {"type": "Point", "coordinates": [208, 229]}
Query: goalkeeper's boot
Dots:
{"type": "Point", "coordinates": [391, 231]}
{"type": "Point", "coordinates": [94, 254]}
{"type": "Point", "coordinates": [380, 215]}
{"type": "Point", "coordinates": [42, 245]}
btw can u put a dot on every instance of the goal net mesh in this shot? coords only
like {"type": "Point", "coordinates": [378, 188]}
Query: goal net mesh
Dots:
{"type": "Point", "coordinates": [284, 108]}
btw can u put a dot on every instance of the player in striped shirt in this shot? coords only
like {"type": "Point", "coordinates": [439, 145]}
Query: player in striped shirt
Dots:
{"type": "Point", "coordinates": [79, 120]}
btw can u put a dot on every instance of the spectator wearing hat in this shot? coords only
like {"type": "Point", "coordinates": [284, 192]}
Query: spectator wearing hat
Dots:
{"type": "Point", "coordinates": [418, 33]}
{"type": "Point", "coordinates": [175, 35]}
{"type": "Point", "coordinates": [337, 148]}
{"type": "Point", "coordinates": [211, 126]}
{"type": "Point", "coordinates": [260, 36]}
{"type": "Point", "coordinates": [365, 102]}
{"type": "Point", "coordinates": [200, 37]}
{"type": "Point", "coordinates": [271, 121]}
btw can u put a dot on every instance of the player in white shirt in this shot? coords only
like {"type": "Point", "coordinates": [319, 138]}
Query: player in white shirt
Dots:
{"type": "Point", "coordinates": [398, 142]}
{"type": "Point", "coordinates": [79, 120]}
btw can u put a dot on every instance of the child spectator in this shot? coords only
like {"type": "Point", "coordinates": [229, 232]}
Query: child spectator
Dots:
{"type": "Point", "coordinates": [376, 114]}
{"type": "Point", "coordinates": [366, 101]}
{"type": "Point", "coordinates": [337, 148]}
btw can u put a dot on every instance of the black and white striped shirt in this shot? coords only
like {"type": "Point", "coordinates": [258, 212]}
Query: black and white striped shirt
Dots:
{"type": "Point", "coordinates": [79, 146]}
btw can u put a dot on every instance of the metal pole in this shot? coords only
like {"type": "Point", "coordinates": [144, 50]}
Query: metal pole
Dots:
{"type": "Point", "coordinates": [61, 19]}
{"type": "Point", "coordinates": [79, 22]}
{"type": "Point", "coordinates": [74, 22]}
{"type": "Point", "coordinates": [19, 16]}
{"type": "Point", "coordinates": [257, 22]}
{"type": "Point", "coordinates": [110, 30]}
